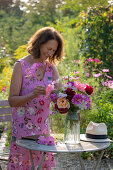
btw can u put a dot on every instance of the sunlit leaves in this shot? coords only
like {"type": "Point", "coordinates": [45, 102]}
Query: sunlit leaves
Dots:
{"type": "Point", "coordinates": [20, 52]}
{"type": "Point", "coordinates": [97, 29]}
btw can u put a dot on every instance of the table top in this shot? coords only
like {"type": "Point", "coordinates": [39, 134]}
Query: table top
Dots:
{"type": "Point", "coordinates": [61, 147]}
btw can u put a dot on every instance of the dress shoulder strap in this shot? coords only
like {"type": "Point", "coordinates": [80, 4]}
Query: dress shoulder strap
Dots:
{"type": "Point", "coordinates": [24, 64]}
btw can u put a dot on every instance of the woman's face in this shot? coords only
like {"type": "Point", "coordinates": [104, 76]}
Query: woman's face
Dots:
{"type": "Point", "coordinates": [48, 49]}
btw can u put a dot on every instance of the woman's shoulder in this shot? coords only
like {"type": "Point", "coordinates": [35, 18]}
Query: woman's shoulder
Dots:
{"type": "Point", "coordinates": [23, 60]}
{"type": "Point", "coordinates": [17, 67]}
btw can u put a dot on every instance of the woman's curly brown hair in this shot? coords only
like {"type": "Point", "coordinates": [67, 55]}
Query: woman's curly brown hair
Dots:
{"type": "Point", "coordinates": [41, 37]}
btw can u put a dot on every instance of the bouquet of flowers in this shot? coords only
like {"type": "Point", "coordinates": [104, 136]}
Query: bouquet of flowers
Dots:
{"type": "Point", "coordinates": [71, 98]}
{"type": "Point", "coordinates": [73, 94]}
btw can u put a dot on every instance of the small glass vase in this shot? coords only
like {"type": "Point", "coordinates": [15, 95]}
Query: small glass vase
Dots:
{"type": "Point", "coordinates": [72, 127]}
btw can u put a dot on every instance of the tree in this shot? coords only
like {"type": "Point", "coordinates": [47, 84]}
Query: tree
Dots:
{"type": "Point", "coordinates": [5, 4]}
{"type": "Point", "coordinates": [95, 30]}
{"type": "Point", "coordinates": [43, 11]}
{"type": "Point", "coordinates": [73, 7]}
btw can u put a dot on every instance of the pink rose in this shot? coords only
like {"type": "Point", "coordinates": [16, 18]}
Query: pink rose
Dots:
{"type": "Point", "coordinates": [49, 89]}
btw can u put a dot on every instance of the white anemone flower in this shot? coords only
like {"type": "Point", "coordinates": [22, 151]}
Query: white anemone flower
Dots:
{"type": "Point", "coordinates": [67, 86]}
{"type": "Point", "coordinates": [62, 95]}
{"type": "Point", "coordinates": [74, 88]}
{"type": "Point", "coordinates": [82, 105]}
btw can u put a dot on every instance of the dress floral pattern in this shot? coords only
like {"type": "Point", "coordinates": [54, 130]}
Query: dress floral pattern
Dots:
{"type": "Point", "coordinates": [32, 119]}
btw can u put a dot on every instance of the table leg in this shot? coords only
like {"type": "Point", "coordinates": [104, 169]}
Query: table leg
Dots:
{"type": "Point", "coordinates": [99, 159]}
{"type": "Point", "coordinates": [81, 161]}
{"type": "Point", "coordinates": [42, 161]}
{"type": "Point", "coordinates": [32, 163]}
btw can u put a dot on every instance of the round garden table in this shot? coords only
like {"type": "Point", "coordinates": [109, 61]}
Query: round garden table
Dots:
{"type": "Point", "coordinates": [63, 148]}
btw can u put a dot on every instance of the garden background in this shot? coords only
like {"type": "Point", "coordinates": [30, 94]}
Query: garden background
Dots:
{"type": "Point", "coordinates": [87, 28]}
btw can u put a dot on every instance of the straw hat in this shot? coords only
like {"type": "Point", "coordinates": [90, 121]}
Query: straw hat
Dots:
{"type": "Point", "coordinates": [95, 132]}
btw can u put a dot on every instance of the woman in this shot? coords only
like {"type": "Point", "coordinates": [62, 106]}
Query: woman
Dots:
{"type": "Point", "coordinates": [30, 78]}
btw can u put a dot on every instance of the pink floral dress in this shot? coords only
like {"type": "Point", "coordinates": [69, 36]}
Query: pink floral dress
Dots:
{"type": "Point", "coordinates": [32, 119]}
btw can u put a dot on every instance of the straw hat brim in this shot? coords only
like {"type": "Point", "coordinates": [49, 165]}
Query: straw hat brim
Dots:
{"type": "Point", "coordinates": [83, 138]}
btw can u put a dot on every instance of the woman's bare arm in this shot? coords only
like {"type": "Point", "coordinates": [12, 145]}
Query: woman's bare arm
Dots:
{"type": "Point", "coordinates": [16, 82]}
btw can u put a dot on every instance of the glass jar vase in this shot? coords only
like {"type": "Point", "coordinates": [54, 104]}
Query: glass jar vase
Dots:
{"type": "Point", "coordinates": [72, 127]}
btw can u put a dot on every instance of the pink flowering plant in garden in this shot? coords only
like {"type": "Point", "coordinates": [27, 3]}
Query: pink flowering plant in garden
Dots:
{"type": "Point", "coordinates": [72, 95]}
{"type": "Point", "coordinates": [93, 72]}
{"type": "Point", "coordinates": [3, 93]}
{"type": "Point", "coordinates": [93, 68]}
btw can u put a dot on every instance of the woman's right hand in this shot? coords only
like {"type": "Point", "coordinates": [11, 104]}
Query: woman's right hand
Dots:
{"type": "Point", "coordinates": [39, 90]}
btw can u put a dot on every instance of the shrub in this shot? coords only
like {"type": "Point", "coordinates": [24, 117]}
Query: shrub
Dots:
{"type": "Point", "coordinates": [94, 29]}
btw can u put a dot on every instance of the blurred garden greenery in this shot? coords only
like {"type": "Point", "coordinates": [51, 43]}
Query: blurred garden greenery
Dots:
{"type": "Point", "coordinates": [87, 29]}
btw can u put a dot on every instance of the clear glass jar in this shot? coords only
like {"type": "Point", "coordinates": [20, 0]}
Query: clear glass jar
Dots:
{"type": "Point", "coordinates": [72, 128]}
